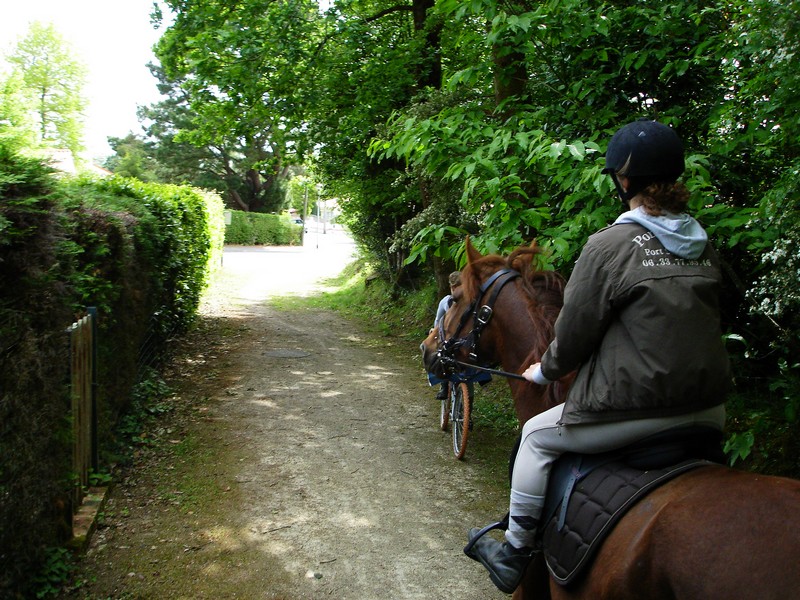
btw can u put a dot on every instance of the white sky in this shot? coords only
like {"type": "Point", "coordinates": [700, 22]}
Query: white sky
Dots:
{"type": "Point", "coordinates": [113, 38]}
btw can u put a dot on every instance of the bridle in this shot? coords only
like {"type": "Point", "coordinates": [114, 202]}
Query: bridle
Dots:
{"type": "Point", "coordinates": [480, 314]}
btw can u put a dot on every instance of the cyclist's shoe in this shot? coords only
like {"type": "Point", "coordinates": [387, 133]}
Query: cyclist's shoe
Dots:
{"type": "Point", "coordinates": [442, 393]}
{"type": "Point", "coordinates": [505, 563]}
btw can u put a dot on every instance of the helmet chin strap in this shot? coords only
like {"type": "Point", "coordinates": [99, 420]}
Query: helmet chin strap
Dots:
{"type": "Point", "coordinates": [623, 195]}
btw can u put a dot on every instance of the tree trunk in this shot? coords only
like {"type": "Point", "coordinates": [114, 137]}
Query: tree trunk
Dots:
{"type": "Point", "coordinates": [432, 76]}
{"type": "Point", "coordinates": [510, 75]}
{"type": "Point", "coordinates": [237, 200]}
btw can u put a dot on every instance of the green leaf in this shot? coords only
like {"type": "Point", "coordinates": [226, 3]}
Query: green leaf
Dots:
{"type": "Point", "coordinates": [577, 150]}
{"type": "Point", "coordinates": [557, 148]}
{"type": "Point", "coordinates": [738, 446]}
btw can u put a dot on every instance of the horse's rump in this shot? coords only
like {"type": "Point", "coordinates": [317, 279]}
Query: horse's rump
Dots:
{"type": "Point", "coordinates": [714, 533]}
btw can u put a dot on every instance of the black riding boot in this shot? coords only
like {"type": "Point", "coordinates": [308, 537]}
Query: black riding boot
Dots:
{"type": "Point", "coordinates": [505, 563]}
{"type": "Point", "coordinates": [442, 393]}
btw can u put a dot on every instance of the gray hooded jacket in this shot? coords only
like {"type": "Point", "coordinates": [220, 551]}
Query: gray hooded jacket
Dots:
{"type": "Point", "coordinates": [641, 323]}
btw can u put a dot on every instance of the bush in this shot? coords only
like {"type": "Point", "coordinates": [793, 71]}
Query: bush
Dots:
{"type": "Point", "coordinates": [249, 229]}
{"type": "Point", "coordinates": [240, 230]}
{"type": "Point", "coordinates": [34, 310]}
{"type": "Point", "coordinates": [141, 254]}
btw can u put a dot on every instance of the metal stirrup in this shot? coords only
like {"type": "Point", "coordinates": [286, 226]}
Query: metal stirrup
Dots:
{"type": "Point", "coordinates": [502, 524]}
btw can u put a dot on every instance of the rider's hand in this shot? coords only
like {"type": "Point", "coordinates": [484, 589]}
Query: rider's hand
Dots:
{"type": "Point", "coordinates": [528, 373]}
{"type": "Point", "coordinates": [534, 374]}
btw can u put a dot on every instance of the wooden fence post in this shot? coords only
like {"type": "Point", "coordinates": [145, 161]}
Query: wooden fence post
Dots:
{"type": "Point", "coordinates": [84, 418]}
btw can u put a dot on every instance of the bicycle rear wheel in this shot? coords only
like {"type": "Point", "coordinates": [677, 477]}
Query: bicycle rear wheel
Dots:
{"type": "Point", "coordinates": [460, 415]}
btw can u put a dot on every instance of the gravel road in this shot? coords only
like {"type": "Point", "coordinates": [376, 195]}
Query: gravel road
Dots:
{"type": "Point", "coordinates": [298, 457]}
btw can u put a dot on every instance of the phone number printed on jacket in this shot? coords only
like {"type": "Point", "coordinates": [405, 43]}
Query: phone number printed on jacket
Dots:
{"type": "Point", "coordinates": [672, 260]}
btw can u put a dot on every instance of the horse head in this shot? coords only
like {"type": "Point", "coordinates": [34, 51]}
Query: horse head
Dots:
{"type": "Point", "coordinates": [503, 314]}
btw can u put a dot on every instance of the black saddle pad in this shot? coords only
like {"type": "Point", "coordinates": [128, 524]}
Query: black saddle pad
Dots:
{"type": "Point", "coordinates": [588, 494]}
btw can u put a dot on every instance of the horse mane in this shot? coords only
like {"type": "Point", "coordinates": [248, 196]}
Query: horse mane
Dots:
{"type": "Point", "coordinates": [543, 289]}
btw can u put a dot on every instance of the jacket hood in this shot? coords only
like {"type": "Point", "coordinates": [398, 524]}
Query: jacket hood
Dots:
{"type": "Point", "coordinates": [681, 234]}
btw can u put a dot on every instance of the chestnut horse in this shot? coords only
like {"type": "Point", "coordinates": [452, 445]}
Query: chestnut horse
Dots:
{"type": "Point", "coordinates": [712, 533]}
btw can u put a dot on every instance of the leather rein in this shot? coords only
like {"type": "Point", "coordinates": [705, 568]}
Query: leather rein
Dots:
{"type": "Point", "coordinates": [480, 314]}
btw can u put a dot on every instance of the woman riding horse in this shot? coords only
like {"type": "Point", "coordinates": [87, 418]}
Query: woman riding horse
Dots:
{"type": "Point", "coordinates": [641, 325]}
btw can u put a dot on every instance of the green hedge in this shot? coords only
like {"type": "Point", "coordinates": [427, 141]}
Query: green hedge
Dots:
{"type": "Point", "coordinates": [142, 254]}
{"type": "Point", "coordinates": [256, 229]}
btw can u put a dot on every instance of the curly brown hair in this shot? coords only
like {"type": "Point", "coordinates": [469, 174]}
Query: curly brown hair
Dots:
{"type": "Point", "coordinates": [661, 197]}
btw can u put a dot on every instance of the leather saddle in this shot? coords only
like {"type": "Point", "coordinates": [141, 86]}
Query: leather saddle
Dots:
{"type": "Point", "coordinates": [588, 494]}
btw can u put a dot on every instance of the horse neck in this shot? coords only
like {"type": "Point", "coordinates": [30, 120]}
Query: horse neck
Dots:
{"type": "Point", "coordinates": [518, 339]}
{"type": "Point", "coordinates": [517, 345]}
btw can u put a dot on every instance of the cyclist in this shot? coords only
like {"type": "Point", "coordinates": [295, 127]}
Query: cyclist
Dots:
{"type": "Point", "coordinates": [454, 279]}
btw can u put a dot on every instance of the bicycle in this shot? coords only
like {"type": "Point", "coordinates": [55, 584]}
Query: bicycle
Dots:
{"type": "Point", "coordinates": [456, 408]}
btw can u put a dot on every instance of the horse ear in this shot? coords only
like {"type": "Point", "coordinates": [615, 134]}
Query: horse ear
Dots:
{"type": "Point", "coordinates": [472, 253]}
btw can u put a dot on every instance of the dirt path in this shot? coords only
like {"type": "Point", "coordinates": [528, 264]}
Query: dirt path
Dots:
{"type": "Point", "coordinates": [300, 459]}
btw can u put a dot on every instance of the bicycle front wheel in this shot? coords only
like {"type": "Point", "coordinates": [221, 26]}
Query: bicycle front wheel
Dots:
{"type": "Point", "coordinates": [460, 415]}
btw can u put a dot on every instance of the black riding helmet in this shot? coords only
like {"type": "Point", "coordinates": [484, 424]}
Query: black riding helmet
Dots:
{"type": "Point", "coordinates": [645, 152]}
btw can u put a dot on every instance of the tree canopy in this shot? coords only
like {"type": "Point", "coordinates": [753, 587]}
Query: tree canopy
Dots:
{"type": "Point", "coordinates": [42, 99]}
{"type": "Point", "coordinates": [430, 120]}
{"type": "Point", "coordinates": [233, 77]}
